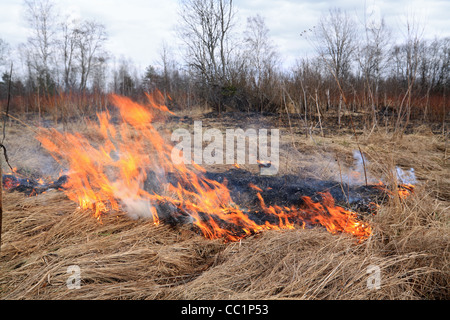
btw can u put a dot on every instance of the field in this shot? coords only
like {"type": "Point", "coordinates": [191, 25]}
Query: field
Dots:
{"type": "Point", "coordinates": [123, 258]}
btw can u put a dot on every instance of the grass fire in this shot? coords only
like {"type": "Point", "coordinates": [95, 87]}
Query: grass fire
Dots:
{"type": "Point", "coordinates": [116, 189]}
{"type": "Point", "coordinates": [222, 171]}
{"type": "Point", "coordinates": [112, 175]}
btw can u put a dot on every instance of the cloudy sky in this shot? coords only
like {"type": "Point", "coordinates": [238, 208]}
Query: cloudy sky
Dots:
{"type": "Point", "coordinates": [137, 28]}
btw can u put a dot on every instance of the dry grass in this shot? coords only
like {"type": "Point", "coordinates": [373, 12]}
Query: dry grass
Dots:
{"type": "Point", "coordinates": [118, 257]}
{"type": "Point", "coordinates": [121, 258]}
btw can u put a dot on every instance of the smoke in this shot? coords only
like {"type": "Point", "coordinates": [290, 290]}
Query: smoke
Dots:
{"type": "Point", "coordinates": [406, 177]}
{"type": "Point", "coordinates": [134, 205]}
{"type": "Point", "coordinates": [137, 208]}
{"type": "Point", "coordinates": [128, 194]}
{"type": "Point", "coordinates": [357, 175]}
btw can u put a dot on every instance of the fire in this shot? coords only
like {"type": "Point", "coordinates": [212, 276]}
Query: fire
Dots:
{"type": "Point", "coordinates": [110, 172]}
{"type": "Point", "coordinates": [254, 187]}
{"type": "Point", "coordinates": [403, 190]}
{"type": "Point", "coordinates": [10, 182]}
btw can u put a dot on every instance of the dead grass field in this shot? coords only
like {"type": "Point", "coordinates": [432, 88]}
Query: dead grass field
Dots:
{"type": "Point", "coordinates": [122, 258]}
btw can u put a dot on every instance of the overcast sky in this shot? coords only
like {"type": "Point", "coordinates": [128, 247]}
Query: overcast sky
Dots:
{"type": "Point", "coordinates": [137, 28]}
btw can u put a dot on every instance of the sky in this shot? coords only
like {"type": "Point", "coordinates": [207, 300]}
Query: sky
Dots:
{"type": "Point", "coordinates": [137, 28]}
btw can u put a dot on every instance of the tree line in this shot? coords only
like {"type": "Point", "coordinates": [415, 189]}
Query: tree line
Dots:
{"type": "Point", "coordinates": [357, 67]}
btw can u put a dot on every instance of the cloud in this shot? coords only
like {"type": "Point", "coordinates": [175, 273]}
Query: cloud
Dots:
{"type": "Point", "coordinates": [12, 26]}
{"type": "Point", "coordinates": [137, 28]}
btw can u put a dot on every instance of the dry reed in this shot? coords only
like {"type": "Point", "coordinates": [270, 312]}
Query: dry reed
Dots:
{"type": "Point", "coordinates": [120, 258]}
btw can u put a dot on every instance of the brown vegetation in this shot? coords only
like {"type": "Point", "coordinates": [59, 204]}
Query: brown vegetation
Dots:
{"type": "Point", "coordinates": [122, 258]}
{"type": "Point", "coordinates": [386, 100]}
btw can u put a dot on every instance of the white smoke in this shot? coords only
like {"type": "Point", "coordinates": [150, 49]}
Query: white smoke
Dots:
{"type": "Point", "coordinates": [406, 177]}
{"type": "Point", "coordinates": [136, 208]}
{"type": "Point", "coordinates": [357, 176]}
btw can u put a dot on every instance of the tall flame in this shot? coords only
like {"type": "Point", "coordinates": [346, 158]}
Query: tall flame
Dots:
{"type": "Point", "coordinates": [109, 171]}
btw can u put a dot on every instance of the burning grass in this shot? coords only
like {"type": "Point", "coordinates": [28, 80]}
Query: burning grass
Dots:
{"type": "Point", "coordinates": [113, 174]}
{"type": "Point", "coordinates": [122, 258]}
{"type": "Point", "coordinates": [128, 259]}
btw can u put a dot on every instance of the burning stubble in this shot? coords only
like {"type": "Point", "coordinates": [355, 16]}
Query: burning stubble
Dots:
{"type": "Point", "coordinates": [131, 167]}
{"type": "Point", "coordinates": [227, 149]}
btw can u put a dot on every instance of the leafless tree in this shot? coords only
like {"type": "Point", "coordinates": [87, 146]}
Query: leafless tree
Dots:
{"type": "Point", "coordinates": [90, 39]}
{"type": "Point", "coordinates": [261, 55]}
{"type": "Point", "coordinates": [125, 79]}
{"type": "Point", "coordinates": [205, 30]}
{"type": "Point", "coordinates": [68, 45]}
{"type": "Point", "coordinates": [168, 65]}
{"type": "Point", "coordinates": [412, 51]}
{"type": "Point", "coordinates": [99, 72]}
{"type": "Point", "coordinates": [336, 36]}
{"type": "Point", "coordinates": [41, 17]}
{"type": "Point", "coordinates": [308, 82]}
{"type": "Point", "coordinates": [373, 57]}
{"type": "Point", "coordinates": [335, 42]}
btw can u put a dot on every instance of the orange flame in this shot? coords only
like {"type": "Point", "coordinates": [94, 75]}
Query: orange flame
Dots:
{"type": "Point", "coordinates": [403, 190]}
{"type": "Point", "coordinates": [109, 174]}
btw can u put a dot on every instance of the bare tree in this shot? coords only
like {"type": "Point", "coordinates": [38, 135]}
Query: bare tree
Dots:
{"type": "Point", "coordinates": [168, 65]}
{"type": "Point", "coordinates": [99, 72]}
{"type": "Point", "coordinates": [429, 69]}
{"type": "Point", "coordinates": [308, 80]}
{"type": "Point", "coordinates": [373, 57]}
{"type": "Point", "coordinates": [261, 55]}
{"type": "Point", "coordinates": [68, 46]}
{"type": "Point", "coordinates": [336, 36]}
{"type": "Point", "coordinates": [335, 42]}
{"type": "Point", "coordinates": [205, 30]}
{"type": "Point", "coordinates": [226, 18]}
{"type": "Point", "coordinates": [412, 50]}
{"type": "Point", "coordinates": [125, 80]}
{"type": "Point", "coordinates": [41, 17]}
{"type": "Point", "coordinates": [90, 36]}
